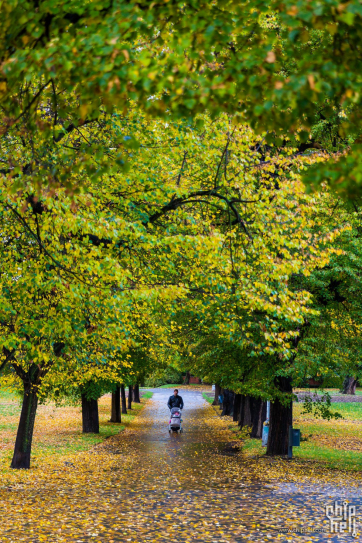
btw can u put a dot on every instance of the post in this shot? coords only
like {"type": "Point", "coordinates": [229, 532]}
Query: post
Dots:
{"type": "Point", "coordinates": [265, 434]}
{"type": "Point", "coordinates": [290, 442]}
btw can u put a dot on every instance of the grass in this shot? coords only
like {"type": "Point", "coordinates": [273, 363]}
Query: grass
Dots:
{"type": "Point", "coordinates": [207, 398]}
{"type": "Point", "coordinates": [58, 430]}
{"type": "Point", "coordinates": [336, 444]}
{"type": "Point", "coordinates": [332, 391]}
{"type": "Point", "coordinates": [175, 386]}
{"type": "Point", "coordinates": [187, 387]}
{"type": "Point", "coordinates": [331, 458]}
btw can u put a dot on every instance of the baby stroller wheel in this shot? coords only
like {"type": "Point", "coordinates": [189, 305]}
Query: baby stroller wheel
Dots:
{"type": "Point", "coordinates": [181, 430]}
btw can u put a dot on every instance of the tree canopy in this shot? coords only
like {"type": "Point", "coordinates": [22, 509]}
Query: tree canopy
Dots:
{"type": "Point", "coordinates": [153, 200]}
{"type": "Point", "coordinates": [276, 66]}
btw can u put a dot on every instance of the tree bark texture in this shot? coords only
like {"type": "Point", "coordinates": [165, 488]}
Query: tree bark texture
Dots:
{"type": "Point", "coordinates": [349, 385]}
{"type": "Point", "coordinates": [281, 417]}
{"type": "Point", "coordinates": [245, 418]}
{"type": "Point", "coordinates": [123, 396]}
{"type": "Point", "coordinates": [251, 413]}
{"type": "Point", "coordinates": [187, 378]}
{"type": "Point", "coordinates": [217, 394]}
{"type": "Point", "coordinates": [130, 396]}
{"type": "Point", "coordinates": [90, 416]}
{"type": "Point", "coordinates": [237, 402]}
{"type": "Point", "coordinates": [136, 394]}
{"type": "Point", "coordinates": [24, 438]}
{"type": "Point", "coordinates": [116, 406]}
{"type": "Point", "coordinates": [228, 403]}
{"type": "Point", "coordinates": [258, 417]}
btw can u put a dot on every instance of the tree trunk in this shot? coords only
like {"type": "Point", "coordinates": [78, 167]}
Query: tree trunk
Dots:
{"type": "Point", "coordinates": [228, 403]}
{"type": "Point", "coordinates": [187, 378]}
{"type": "Point", "coordinates": [252, 414]}
{"type": "Point", "coordinates": [349, 385]}
{"type": "Point", "coordinates": [116, 406]}
{"type": "Point", "coordinates": [136, 394]}
{"type": "Point", "coordinates": [130, 396]}
{"type": "Point", "coordinates": [239, 415]}
{"type": "Point", "coordinates": [237, 402]}
{"type": "Point", "coordinates": [123, 396]}
{"type": "Point", "coordinates": [232, 402]}
{"type": "Point", "coordinates": [258, 416]}
{"type": "Point", "coordinates": [222, 394]}
{"type": "Point", "coordinates": [22, 450]}
{"type": "Point", "coordinates": [281, 417]}
{"type": "Point", "coordinates": [217, 393]}
{"type": "Point", "coordinates": [245, 414]}
{"type": "Point", "coordinates": [90, 416]}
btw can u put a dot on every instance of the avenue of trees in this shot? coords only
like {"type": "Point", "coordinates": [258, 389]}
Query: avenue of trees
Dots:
{"type": "Point", "coordinates": [179, 185]}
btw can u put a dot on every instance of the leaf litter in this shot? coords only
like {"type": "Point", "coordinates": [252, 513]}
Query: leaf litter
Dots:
{"type": "Point", "coordinates": [146, 485]}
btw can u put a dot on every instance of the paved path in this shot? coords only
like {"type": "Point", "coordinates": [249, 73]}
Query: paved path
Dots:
{"type": "Point", "coordinates": [206, 493]}
{"type": "Point", "coordinates": [147, 485]}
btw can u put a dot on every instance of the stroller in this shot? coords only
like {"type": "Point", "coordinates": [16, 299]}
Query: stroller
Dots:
{"type": "Point", "coordinates": [175, 420]}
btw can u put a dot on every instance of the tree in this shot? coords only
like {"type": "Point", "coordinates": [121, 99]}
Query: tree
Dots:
{"type": "Point", "coordinates": [123, 398]}
{"type": "Point", "coordinates": [273, 65]}
{"type": "Point", "coordinates": [349, 385]}
{"type": "Point", "coordinates": [244, 321]}
{"type": "Point", "coordinates": [228, 402]}
{"type": "Point", "coordinates": [250, 412]}
{"type": "Point", "coordinates": [217, 394]}
{"type": "Point", "coordinates": [130, 397]}
{"type": "Point", "coordinates": [116, 405]}
{"type": "Point", "coordinates": [49, 316]}
{"type": "Point", "coordinates": [136, 393]}
{"type": "Point", "coordinates": [78, 285]}
{"type": "Point", "coordinates": [281, 418]}
{"type": "Point", "coordinates": [90, 415]}
{"type": "Point", "coordinates": [331, 344]}
{"type": "Point", "coordinates": [202, 234]}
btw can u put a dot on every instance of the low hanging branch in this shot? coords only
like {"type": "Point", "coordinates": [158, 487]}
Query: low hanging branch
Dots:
{"type": "Point", "coordinates": [179, 202]}
{"type": "Point", "coordinates": [9, 356]}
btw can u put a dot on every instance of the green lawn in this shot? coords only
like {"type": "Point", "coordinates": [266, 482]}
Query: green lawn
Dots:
{"type": "Point", "coordinates": [207, 398]}
{"type": "Point", "coordinates": [336, 444]}
{"type": "Point", "coordinates": [58, 430]}
{"type": "Point", "coordinates": [331, 391]}
{"type": "Point", "coordinates": [185, 387]}
{"type": "Point", "coordinates": [331, 458]}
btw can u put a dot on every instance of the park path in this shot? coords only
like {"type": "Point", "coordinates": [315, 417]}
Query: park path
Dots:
{"type": "Point", "coordinates": [147, 485]}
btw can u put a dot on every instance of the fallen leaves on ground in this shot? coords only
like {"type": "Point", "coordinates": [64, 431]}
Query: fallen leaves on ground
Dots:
{"type": "Point", "coordinates": [58, 430]}
{"type": "Point", "coordinates": [147, 485]}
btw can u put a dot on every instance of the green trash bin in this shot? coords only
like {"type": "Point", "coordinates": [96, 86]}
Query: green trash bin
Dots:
{"type": "Point", "coordinates": [294, 440]}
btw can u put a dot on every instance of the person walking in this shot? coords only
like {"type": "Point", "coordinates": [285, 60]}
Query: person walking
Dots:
{"type": "Point", "coordinates": [175, 400]}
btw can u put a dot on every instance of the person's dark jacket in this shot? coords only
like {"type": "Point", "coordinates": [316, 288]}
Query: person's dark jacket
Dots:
{"type": "Point", "coordinates": [175, 401]}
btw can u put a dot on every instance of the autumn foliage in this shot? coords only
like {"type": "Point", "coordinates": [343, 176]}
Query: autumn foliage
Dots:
{"type": "Point", "coordinates": [156, 204]}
